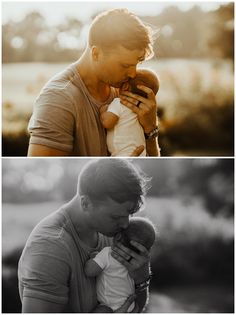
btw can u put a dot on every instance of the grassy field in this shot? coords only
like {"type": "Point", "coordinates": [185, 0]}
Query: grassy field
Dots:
{"type": "Point", "coordinates": [192, 299]}
{"type": "Point", "coordinates": [171, 215]}
{"type": "Point", "coordinates": [178, 78]}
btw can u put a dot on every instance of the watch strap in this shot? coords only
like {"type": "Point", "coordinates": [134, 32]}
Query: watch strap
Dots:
{"type": "Point", "coordinates": [152, 134]}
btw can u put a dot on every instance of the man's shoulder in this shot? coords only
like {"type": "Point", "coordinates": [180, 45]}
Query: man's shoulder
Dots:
{"type": "Point", "coordinates": [61, 87]}
{"type": "Point", "coordinates": [51, 230]}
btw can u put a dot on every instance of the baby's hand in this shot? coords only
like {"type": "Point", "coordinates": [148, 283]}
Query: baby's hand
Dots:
{"type": "Point", "coordinates": [103, 109]}
{"type": "Point", "coordinates": [93, 254]}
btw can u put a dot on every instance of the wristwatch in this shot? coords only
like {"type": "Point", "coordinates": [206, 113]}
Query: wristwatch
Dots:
{"type": "Point", "coordinates": [143, 285]}
{"type": "Point", "coordinates": [152, 134]}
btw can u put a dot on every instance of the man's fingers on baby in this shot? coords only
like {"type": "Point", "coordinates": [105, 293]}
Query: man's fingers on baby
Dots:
{"type": "Point", "coordinates": [147, 90]}
{"type": "Point", "coordinates": [145, 107]}
{"type": "Point", "coordinates": [123, 261]}
{"type": "Point", "coordinates": [131, 106]}
{"type": "Point", "coordinates": [132, 96]}
{"type": "Point", "coordinates": [123, 252]}
{"type": "Point", "coordinates": [140, 247]}
{"type": "Point", "coordinates": [120, 254]}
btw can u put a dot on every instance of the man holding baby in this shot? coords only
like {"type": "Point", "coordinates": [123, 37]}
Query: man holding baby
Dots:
{"type": "Point", "coordinates": [66, 118]}
{"type": "Point", "coordinates": [53, 273]}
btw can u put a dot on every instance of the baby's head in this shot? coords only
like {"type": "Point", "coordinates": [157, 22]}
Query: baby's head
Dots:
{"type": "Point", "coordinates": [144, 77]}
{"type": "Point", "coordinates": [140, 230]}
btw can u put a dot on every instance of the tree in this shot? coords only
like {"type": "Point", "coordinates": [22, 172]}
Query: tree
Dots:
{"type": "Point", "coordinates": [221, 35]}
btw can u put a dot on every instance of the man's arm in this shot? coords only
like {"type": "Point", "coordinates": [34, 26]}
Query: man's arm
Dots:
{"type": "Point", "coordinates": [152, 147]}
{"type": "Point", "coordinates": [141, 300]}
{"type": "Point", "coordinates": [34, 305]}
{"type": "Point", "coordinates": [43, 150]}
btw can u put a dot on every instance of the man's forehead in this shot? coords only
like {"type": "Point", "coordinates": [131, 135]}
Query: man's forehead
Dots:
{"type": "Point", "coordinates": [130, 56]}
{"type": "Point", "coordinates": [123, 209]}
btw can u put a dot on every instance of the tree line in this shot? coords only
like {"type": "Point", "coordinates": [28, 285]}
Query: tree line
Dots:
{"type": "Point", "coordinates": [182, 34]}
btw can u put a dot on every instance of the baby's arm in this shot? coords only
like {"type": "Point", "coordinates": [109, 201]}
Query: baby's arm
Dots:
{"type": "Point", "coordinates": [92, 269]}
{"type": "Point", "coordinates": [108, 119]}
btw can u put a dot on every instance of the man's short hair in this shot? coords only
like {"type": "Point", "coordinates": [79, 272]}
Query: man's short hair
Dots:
{"type": "Point", "coordinates": [121, 27]}
{"type": "Point", "coordinates": [117, 179]}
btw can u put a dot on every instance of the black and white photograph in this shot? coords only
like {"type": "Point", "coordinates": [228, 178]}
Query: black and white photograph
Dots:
{"type": "Point", "coordinates": [156, 234]}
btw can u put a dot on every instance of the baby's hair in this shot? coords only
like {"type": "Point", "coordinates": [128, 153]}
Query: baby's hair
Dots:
{"type": "Point", "coordinates": [141, 230]}
{"type": "Point", "coordinates": [147, 78]}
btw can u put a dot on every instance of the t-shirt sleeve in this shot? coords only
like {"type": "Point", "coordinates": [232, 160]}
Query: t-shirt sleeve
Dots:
{"type": "Point", "coordinates": [52, 122]}
{"type": "Point", "coordinates": [115, 107]}
{"type": "Point", "coordinates": [102, 257]}
{"type": "Point", "coordinates": [44, 272]}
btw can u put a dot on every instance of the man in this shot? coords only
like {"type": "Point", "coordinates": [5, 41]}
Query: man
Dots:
{"type": "Point", "coordinates": [51, 268]}
{"type": "Point", "coordinates": [66, 118]}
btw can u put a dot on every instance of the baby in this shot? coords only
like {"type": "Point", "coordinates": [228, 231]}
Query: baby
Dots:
{"type": "Point", "coordinates": [124, 133]}
{"type": "Point", "coordinates": [114, 284]}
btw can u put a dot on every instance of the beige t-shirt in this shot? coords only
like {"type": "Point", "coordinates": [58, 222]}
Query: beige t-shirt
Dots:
{"type": "Point", "coordinates": [66, 117]}
{"type": "Point", "coordinates": [51, 267]}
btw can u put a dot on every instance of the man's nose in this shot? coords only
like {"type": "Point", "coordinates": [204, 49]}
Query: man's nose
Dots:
{"type": "Point", "coordinates": [132, 72]}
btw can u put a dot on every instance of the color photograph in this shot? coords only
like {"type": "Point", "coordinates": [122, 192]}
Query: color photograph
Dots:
{"type": "Point", "coordinates": [68, 69]}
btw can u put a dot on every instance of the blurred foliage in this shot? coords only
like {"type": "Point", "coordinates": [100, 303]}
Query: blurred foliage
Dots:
{"type": "Point", "coordinates": [195, 105]}
{"type": "Point", "coordinates": [32, 40]}
{"type": "Point", "coordinates": [193, 245]}
{"type": "Point", "coordinates": [196, 99]}
{"type": "Point", "coordinates": [15, 137]}
{"type": "Point", "coordinates": [27, 181]}
{"type": "Point", "coordinates": [190, 34]}
{"type": "Point", "coordinates": [222, 31]}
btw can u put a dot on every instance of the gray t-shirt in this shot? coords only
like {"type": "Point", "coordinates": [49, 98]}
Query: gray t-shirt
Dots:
{"type": "Point", "coordinates": [52, 263]}
{"type": "Point", "coordinates": [66, 117]}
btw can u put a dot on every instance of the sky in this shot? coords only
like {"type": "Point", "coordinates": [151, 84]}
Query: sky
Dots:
{"type": "Point", "coordinates": [56, 11]}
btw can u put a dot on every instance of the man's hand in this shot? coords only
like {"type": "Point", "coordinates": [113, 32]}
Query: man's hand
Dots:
{"type": "Point", "coordinates": [145, 108]}
{"type": "Point", "coordinates": [137, 264]}
{"type": "Point", "coordinates": [138, 151]}
{"type": "Point", "coordinates": [124, 308]}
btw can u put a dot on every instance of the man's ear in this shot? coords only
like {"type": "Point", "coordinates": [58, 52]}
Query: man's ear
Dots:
{"type": "Point", "coordinates": [95, 52]}
{"type": "Point", "coordinates": [85, 202]}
